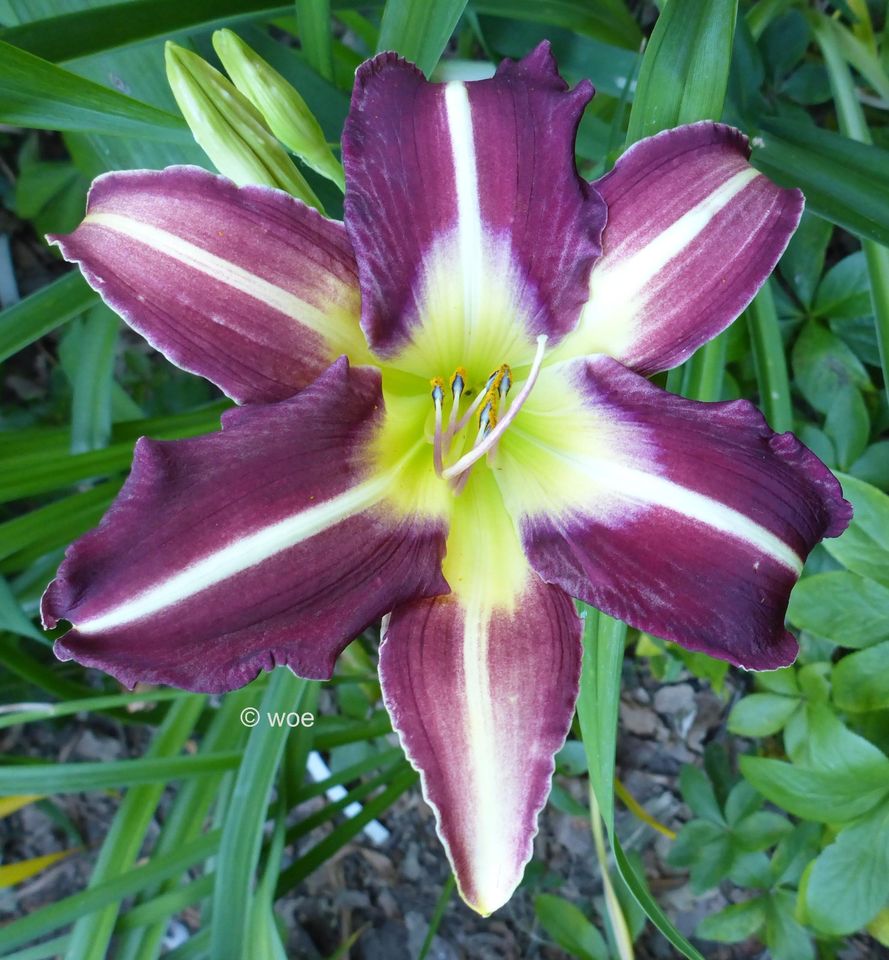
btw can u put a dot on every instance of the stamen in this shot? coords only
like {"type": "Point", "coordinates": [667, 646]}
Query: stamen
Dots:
{"type": "Point", "coordinates": [458, 382]}
{"type": "Point", "coordinates": [437, 395]}
{"type": "Point", "coordinates": [480, 449]}
{"type": "Point", "coordinates": [496, 377]}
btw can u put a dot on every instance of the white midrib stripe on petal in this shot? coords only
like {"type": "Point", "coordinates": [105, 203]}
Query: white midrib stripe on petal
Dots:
{"type": "Point", "coordinates": [618, 283]}
{"type": "Point", "coordinates": [469, 215]}
{"type": "Point", "coordinates": [215, 267]}
{"type": "Point", "coordinates": [238, 556]}
{"type": "Point", "coordinates": [489, 820]}
{"type": "Point", "coordinates": [639, 486]}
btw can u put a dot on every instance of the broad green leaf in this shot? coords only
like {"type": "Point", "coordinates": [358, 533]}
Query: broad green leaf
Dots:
{"type": "Point", "coordinates": [844, 291]}
{"type": "Point", "coordinates": [735, 923]}
{"type": "Point", "coordinates": [761, 830]}
{"type": "Point", "coordinates": [824, 365]}
{"type": "Point", "coordinates": [36, 93]}
{"type": "Point", "coordinates": [847, 609]}
{"type": "Point", "coordinates": [609, 67]}
{"type": "Point", "coordinates": [819, 795]}
{"type": "Point", "coordinates": [43, 311]}
{"type": "Point", "coordinates": [606, 20]}
{"type": "Point", "coordinates": [844, 181]}
{"type": "Point", "coordinates": [864, 547]}
{"type": "Point", "coordinates": [707, 850]}
{"type": "Point", "coordinates": [803, 260]}
{"type": "Point", "coordinates": [849, 883]}
{"type": "Point", "coordinates": [571, 930]}
{"type": "Point", "coordinates": [761, 714]}
{"type": "Point", "coordinates": [419, 29]}
{"type": "Point", "coordinates": [785, 937]}
{"type": "Point", "coordinates": [685, 68]}
{"type": "Point", "coordinates": [848, 425]}
{"type": "Point", "coordinates": [741, 801]}
{"type": "Point", "coordinates": [861, 680]}
{"type": "Point", "coordinates": [873, 465]}
{"type": "Point", "coordinates": [697, 791]}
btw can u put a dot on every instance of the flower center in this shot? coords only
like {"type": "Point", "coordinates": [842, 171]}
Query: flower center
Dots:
{"type": "Point", "coordinates": [490, 410]}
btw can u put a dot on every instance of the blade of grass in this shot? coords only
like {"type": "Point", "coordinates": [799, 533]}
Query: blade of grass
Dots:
{"type": "Point", "coordinates": [244, 819]}
{"type": "Point", "coordinates": [598, 701]}
{"type": "Point", "coordinates": [92, 933]}
{"type": "Point", "coordinates": [187, 816]}
{"type": "Point", "coordinates": [10, 716]}
{"type": "Point", "coordinates": [88, 355]}
{"type": "Point", "coordinates": [447, 891]}
{"type": "Point", "coordinates": [338, 838]}
{"type": "Point", "coordinates": [109, 892]}
{"type": "Point", "coordinates": [52, 778]}
{"type": "Point", "coordinates": [41, 312]}
{"type": "Point", "coordinates": [770, 360]}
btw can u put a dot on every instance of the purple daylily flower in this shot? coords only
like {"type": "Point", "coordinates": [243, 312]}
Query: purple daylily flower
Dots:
{"type": "Point", "coordinates": [543, 466]}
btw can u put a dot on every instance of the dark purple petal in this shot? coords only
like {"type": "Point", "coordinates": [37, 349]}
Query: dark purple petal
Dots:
{"type": "Point", "coordinates": [693, 231]}
{"type": "Point", "coordinates": [242, 285]}
{"type": "Point", "coordinates": [689, 520]}
{"type": "Point", "coordinates": [463, 197]}
{"type": "Point", "coordinates": [269, 543]}
{"type": "Point", "coordinates": [481, 702]}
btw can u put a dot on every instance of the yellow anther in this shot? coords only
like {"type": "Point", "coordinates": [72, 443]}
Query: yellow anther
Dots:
{"type": "Point", "coordinates": [487, 418]}
{"type": "Point", "coordinates": [437, 385]}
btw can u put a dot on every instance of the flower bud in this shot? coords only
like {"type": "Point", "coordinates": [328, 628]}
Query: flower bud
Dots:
{"type": "Point", "coordinates": [284, 110]}
{"type": "Point", "coordinates": [228, 127]}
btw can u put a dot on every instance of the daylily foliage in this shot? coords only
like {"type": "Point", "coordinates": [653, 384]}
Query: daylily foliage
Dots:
{"type": "Point", "coordinates": [445, 421]}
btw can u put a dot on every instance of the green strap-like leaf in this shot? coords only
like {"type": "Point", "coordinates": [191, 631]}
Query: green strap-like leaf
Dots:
{"type": "Point", "coordinates": [419, 29]}
{"type": "Point", "coordinates": [83, 33]}
{"type": "Point", "coordinates": [36, 93]}
{"type": "Point", "coordinates": [844, 181]}
{"type": "Point", "coordinates": [685, 69]}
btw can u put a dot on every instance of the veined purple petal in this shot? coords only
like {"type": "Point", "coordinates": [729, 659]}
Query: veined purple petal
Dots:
{"type": "Point", "coordinates": [689, 520]}
{"type": "Point", "coordinates": [482, 700]}
{"type": "Point", "coordinates": [242, 285]}
{"type": "Point", "coordinates": [693, 231]}
{"type": "Point", "coordinates": [463, 203]}
{"type": "Point", "coordinates": [270, 543]}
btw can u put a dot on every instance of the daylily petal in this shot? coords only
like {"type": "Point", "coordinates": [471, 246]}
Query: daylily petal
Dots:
{"type": "Point", "coordinates": [269, 543]}
{"type": "Point", "coordinates": [482, 700]}
{"type": "Point", "coordinates": [472, 230]}
{"type": "Point", "coordinates": [693, 232]}
{"type": "Point", "coordinates": [481, 687]}
{"type": "Point", "coordinates": [689, 520]}
{"type": "Point", "coordinates": [244, 286]}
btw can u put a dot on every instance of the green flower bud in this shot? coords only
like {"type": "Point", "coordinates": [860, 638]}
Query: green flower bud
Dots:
{"type": "Point", "coordinates": [228, 127]}
{"type": "Point", "coordinates": [284, 110]}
